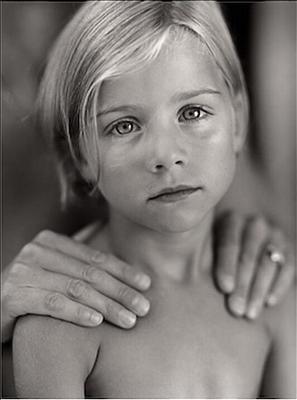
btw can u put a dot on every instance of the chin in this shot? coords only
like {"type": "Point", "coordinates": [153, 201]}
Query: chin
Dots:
{"type": "Point", "coordinates": [175, 223]}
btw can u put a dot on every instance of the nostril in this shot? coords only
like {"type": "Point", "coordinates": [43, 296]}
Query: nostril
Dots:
{"type": "Point", "coordinates": [159, 166]}
{"type": "Point", "coordinates": [179, 162]}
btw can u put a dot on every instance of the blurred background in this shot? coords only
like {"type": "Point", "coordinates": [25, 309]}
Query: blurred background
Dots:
{"type": "Point", "coordinates": [265, 37]}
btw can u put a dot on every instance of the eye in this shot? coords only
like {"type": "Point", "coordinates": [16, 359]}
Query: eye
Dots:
{"type": "Point", "coordinates": [123, 128]}
{"type": "Point", "coordinates": [192, 113]}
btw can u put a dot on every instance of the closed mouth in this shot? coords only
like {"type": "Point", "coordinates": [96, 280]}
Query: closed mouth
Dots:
{"type": "Point", "coordinates": [176, 192]}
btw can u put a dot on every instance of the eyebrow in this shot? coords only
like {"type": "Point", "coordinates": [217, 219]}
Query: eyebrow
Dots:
{"type": "Point", "coordinates": [176, 97]}
{"type": "Point", "coordinates": [193, 93]}
{"type": "Point", "coordinates": [116, 109]}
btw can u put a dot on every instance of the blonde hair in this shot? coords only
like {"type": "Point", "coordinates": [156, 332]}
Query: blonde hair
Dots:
{"type": "Point", "coordinates": [103, 40]}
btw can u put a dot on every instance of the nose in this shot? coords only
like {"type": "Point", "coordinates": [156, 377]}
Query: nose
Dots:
{"type": "Point", "coordinates": [167, 151]}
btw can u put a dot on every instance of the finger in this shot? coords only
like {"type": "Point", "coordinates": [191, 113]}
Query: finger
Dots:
{"type": "Point", "coordinates": [80, 290]}
{"type": "Point", "coordinates": [87, 232]}
{"type": "Point", "coordinates": [119, 269]}
{"type": "Point", "coordinates": [228, 238]}
{"type": "Point", "coordinates": [254, 237]}
{"type": "Point", "coordinates": [83, 282]}
{"type": "Point", "coordinates": [59, 306]}
{"type": "Point", "coordinates": [265, 274]}
{"type": "Point", "coordinates": [54, 304]}
{"type": "Point", "coordinates": [285, 278]}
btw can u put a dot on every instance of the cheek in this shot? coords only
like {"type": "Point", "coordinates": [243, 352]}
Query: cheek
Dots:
{"type": "Point", "coordinates": [215, 159]}
{"type": "Point", "coordinates": [221, 165]}
{"type": "Point", "coordinates": [118, 174]}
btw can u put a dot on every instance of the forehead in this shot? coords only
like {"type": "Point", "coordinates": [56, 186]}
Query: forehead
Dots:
{"type": "Point", "coordinates": [183, 65]}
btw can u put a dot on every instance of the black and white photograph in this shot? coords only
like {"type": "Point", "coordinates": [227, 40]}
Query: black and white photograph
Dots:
{"type": "Point", "coordinates": [148, 199]}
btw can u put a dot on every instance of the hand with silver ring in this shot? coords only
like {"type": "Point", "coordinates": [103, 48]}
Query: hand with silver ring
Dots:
{"type": "Point", "coordinates": [275, 255]}
{"type": "Point", "coordinates": [58, 276]}
{"type": "Point", "coordinates": [254, 263]}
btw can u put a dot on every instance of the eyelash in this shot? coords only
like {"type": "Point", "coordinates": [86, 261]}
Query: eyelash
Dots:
{"type": "Point", "coordinates": [117, 123]}
{"type": "Point", "coordinates": [131, 121]}
{"type": "Point", "coordinates": [194, 107]}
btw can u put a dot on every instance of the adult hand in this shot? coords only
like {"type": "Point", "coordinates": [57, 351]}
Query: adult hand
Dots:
{"type": "Point", "coordinates": [61, 277]}
{"type": "Point", "coordinates": [58, 276]}
{"type": "Point", "coordinates": [243, 268]}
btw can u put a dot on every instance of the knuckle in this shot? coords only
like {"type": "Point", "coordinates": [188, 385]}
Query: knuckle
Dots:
{"type": "Point", "coordinates": [127, 271]}
{"type": "Point", "coordinates": [104, 278]}
{"type": "Point", "coordinates": [258, 223]}
{"type": "Point", "coordinates": [257, 219]}
{"type": "Point", "coordinates": [29, 251]}
{"type": "Point", "coordinates": [54, 302]}
{"type": "Point", "coordinates": [90, 273]}
{"type": "Point", "coordinates": [247, 259]}
{"type": "Point", "coordinates": [76, 288]}
{"type": "Point", "coordinates": [125, 294]}
{"type": "Point", "coordinates": [98, 257]}
{"type": "Point", "coordinates": [110, 310]}
{"type": "Point", "coordinates": [81, 314]}
{"type": "Point", "coordinates": [18, 269]}
{"type": "Point", "coordinates": [44, 235]}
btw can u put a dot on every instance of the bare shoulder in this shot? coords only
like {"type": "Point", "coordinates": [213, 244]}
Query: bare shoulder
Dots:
{"type": "Point", "coordinates": [56, 335]}
{"type": "Point", "coordinates": [52, 358]}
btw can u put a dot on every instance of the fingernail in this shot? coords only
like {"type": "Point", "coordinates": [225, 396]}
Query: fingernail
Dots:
{"type": "Point", "coordinates": [252, 312]}
{"type": "Point", "coordinates": [228, 284]}
{"type": "Point", "coordinates": [96, 319]}
{"type": "Point", "coordinates": [141, 306]}
{"type": "Point", "coordinates": [272, 300]}
{"type": "Point", "coordinates": [238, 306]}
{"type": "Point", "coordinates": [128, 319]}
{"type": "Point", "coordinates": [143, 280]}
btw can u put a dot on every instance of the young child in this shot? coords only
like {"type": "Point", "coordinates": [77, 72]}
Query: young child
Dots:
{"type": "Point", "coordinates": [145, 101]}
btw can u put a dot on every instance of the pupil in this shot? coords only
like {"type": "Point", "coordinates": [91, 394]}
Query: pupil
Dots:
{"type": "Point", "coordinates": [125, 127]}
{"type": "Point", "coordinates": [193, 113]}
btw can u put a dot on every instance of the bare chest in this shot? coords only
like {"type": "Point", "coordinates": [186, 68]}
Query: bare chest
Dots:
{"type": "Point", "coordinates": [184, 348]}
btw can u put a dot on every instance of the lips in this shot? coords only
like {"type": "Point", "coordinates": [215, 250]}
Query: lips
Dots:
{"type": "Point", "coordinates": [175, 193]}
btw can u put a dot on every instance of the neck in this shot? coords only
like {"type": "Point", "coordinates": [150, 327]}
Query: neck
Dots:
{"type": "Point", "coordinates": [178, 256]}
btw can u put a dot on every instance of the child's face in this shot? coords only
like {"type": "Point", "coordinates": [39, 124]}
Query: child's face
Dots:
{"type": "Point", "coordinates": [169, 124]}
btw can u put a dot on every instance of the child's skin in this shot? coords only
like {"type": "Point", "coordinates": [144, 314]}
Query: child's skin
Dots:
{"type": "Point", "coordinates": [187, 346]}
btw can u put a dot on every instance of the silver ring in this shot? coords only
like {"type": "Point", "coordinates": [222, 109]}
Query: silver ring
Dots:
{"type": "Point", "coordinates": [275, 255]}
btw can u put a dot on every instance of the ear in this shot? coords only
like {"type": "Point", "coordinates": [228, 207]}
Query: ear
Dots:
{"type": "Point", "coordinates": [240, 121]}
